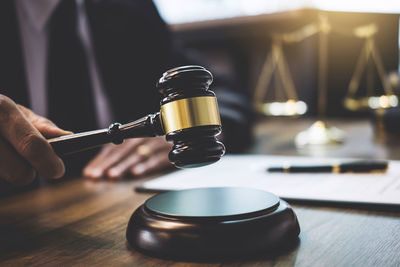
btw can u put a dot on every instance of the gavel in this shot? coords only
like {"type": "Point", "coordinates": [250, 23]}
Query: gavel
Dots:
{"type": "Point", "coordinates": [188, 117]}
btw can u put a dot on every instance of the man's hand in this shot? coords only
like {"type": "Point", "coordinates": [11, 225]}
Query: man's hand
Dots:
{"type": "Point", "coordinates": [23, 145]}
{"type": "Point", "coordinates": [134, 157]}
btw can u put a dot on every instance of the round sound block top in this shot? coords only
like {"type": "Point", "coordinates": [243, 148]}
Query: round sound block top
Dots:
{"type": "Point", "coordinates": [211, 223]}
{"type": "Point", "coordinates": [213, 203]}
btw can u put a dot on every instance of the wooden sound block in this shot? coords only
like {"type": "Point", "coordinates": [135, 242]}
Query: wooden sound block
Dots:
{"type": "Point", "coordinates": [212, 223]}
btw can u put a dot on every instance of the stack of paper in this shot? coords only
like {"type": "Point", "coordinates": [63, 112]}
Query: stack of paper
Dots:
{"type": "Point", "coordinates": [250, 171]}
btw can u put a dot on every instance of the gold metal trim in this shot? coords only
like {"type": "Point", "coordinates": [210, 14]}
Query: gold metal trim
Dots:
{"type": "Point", "coordinates": [379, 171]}
{"type": "Point", "coordinates": [336, 168]}
{"type": "Point", "coordinates": [190, 112]}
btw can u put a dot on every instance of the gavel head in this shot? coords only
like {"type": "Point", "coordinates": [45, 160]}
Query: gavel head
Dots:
{"type": "Point", "coordinates": [190, 117]}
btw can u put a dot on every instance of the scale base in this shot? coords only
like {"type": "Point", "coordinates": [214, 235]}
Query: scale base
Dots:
{"type": "Point", "coordinates": [212, 223]}
{"type": "Point", "coordinates": [319, 134]}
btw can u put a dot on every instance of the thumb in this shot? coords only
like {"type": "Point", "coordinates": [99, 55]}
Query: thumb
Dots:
{"type": "Point", "coordinates": [45, 126]}
{"type": "Point", "coordinates": [49, 130]}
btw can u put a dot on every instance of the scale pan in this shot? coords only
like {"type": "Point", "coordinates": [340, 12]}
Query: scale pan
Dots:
{"type": "Point", "coordinates": [289, 108]}
{"type": "Point", "coordinates": [371, 102]}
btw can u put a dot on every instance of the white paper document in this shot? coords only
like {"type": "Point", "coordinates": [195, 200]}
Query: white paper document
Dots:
{"type": "Point", "coordinates": [250, 171]}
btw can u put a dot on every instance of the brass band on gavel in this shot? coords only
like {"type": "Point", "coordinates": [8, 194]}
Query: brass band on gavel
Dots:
{"type": "Point", "coordinates": [189, 112]}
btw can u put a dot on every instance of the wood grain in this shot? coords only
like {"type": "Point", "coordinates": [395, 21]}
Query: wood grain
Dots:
{"type": "Point", "coordinates": [81, 222]}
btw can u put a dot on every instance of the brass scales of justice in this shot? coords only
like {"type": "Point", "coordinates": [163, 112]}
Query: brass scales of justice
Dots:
{"type": "Point", "coordinates": [378, 101]}
{"type": "Point", "coordinates": [286, 102]}
{"type": "Point", "coordinates": [369, 55]}
{"type": "Point", "coordinates": [319, 133]}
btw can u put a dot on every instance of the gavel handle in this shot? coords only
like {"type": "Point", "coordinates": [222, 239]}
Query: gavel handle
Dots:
{"type": "Point", "coordinates": [148, 126]}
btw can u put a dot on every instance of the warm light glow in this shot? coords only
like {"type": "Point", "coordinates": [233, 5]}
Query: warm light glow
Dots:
{"type": "Point", "coordinates": [383, 101]}
{"type": "Point", "coordinates": [288, 108]}
{"type": "Point", "coordinates": [183, 11]}
{"type": "Point", "coordinates": [381, 6]}
{"type": "Point", "coordinates": [319, 134]}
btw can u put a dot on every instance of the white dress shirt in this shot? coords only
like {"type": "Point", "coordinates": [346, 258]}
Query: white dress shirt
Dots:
{"type": "Point", "coordinates": [33, 17]}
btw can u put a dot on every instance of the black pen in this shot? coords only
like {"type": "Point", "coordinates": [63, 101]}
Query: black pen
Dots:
{"type": "Point", "coordinates": [366, 166]}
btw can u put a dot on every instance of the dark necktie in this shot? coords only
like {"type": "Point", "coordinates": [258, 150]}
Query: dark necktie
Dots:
{"type": "Point", "coordinates": [70, 95]}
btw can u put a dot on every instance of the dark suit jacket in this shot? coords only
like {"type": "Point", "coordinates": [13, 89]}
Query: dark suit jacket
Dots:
{"type": "Point", "coordinates": [133, 47]}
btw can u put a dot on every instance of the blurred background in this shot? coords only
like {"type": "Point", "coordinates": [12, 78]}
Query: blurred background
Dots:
{"type": "Point", "coordinates": [318, 60]}
{"type": "Point", "coordinates": [235, 37]}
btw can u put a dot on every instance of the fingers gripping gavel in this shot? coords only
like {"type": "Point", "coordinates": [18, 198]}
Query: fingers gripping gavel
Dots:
{"type": "Point", "coordinates": [189, 117]}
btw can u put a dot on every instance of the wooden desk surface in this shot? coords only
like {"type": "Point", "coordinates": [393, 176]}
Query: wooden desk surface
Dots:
{"type": "Point", "coordinates": [83, 222]}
